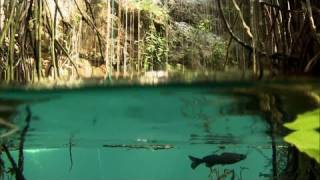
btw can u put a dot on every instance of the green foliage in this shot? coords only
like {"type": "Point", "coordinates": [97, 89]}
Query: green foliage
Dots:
{"type": "Point", "coordinates": [217, 56]}
{"type": "Point", "coordinates": [160, 14]}
{"type": "Point", "coordinates": [306, 137]}
{"type": "Point", "coordinates": [306, 121]}
{"type": "Point", "coordinates": [306, 141]}
{"type": "Point", "coordinates": [219, 50]}
{"type": "Point", "coordinates": [204, 25]}
{"type": "Point", "coordinates": [156, 49]}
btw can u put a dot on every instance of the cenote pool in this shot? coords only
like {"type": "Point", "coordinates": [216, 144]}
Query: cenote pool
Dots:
{"type": "Point", "coordinates": [148, 132]}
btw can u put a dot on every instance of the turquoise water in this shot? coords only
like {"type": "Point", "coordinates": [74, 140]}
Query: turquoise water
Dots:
{"type": "Point", "coordinates": [142, 133]}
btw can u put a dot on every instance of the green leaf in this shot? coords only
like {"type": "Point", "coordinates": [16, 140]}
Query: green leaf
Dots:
{"type": "Point", "coordinates": [306, 121]}
{"type": "Point", "coordinates": [307, 141]}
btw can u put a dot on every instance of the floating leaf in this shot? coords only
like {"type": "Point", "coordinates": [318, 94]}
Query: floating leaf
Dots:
{"type": "Point", "coordinates": [307, 142]}
{"type": "Point", "coordinates": [306, 121]}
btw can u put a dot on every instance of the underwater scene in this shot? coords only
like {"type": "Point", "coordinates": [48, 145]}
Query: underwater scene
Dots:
{"type": "Point", "coordinates": [159, 90]}
{"type": "Point", "coordinates": [179, 131]}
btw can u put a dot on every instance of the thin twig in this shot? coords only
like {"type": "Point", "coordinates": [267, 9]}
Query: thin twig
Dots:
{"type": "Point", "coordinates": [70, 152]}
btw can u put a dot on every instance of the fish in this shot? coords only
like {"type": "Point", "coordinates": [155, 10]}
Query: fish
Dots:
{"type": "Point", "coordinates": [213, 159]}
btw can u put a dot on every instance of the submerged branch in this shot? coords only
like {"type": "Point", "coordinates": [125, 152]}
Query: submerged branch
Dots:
{"type": "Point", "coordinates": [70, 144]}
{"type": "Point", "coordinates": [13, 128]}
{"type": "Point", "coordinates": [23, 139]}
{"type": "Point", "coordinates": [18, 168]}
{"type": "Point", "coordinates": [19, 175]}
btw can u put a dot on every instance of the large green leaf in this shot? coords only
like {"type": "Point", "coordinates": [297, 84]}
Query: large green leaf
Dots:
{"type": "Point", "coordinates": [306, 137]}
{"type": "Point", "coordinates": [306, 121]}
{"type": "Point", "coordinates": [307, 141]}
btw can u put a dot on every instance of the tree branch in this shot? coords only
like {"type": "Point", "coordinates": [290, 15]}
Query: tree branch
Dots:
{"type": "Point", "coordinates": [237, 39]}
{"type": "Point", "coordinates": [245, 26]}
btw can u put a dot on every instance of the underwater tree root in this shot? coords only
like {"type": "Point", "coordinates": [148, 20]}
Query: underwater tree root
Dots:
{"type": "Point", "coordinates": [13, 128]}
{"type": "Point", "coordinates": [17, 169]}
{"type": "Point", "coordinates": [18, 173]}
{"type": "Point", "coordinates": [23, 139]}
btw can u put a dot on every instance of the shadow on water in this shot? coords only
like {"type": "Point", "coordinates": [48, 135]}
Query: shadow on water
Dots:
{"type": "Point", "coordinates": [153, 133]}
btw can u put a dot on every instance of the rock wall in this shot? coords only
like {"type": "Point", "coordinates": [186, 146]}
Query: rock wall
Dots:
{"type": "Point", "coordinates": [195, 43]}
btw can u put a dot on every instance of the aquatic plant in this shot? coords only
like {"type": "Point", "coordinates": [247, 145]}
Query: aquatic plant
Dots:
{"type": "Point", "coordinates": [306, 133]}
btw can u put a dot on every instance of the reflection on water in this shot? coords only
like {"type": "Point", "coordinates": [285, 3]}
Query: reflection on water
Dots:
{"type": "Point", "coordinates": [146, 133]}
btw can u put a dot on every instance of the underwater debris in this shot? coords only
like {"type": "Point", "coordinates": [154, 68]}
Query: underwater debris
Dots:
{"type": "Point", "coordinates": [140, 146]}
{"type": "Point", "coordinates": [94, 121]}
{"type": "Point", "coordinates": [70, 144]}
{"type": "Point", "coordinates": [226, 173]}
{"type": "Point", "coordinates": [222, 159]}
